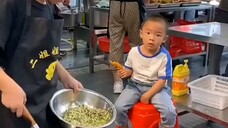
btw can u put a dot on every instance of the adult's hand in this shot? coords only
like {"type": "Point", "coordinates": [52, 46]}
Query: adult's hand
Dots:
{"type": "Point", "coordinates": [68, 80]}
{"type": "Point", "coordinates": [74, 84]}
{"type": "Point", "coordinates": [12, 96]}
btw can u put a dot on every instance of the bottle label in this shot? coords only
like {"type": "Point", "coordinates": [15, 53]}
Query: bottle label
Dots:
{"type": "Point", "coordinates": [181, 80]}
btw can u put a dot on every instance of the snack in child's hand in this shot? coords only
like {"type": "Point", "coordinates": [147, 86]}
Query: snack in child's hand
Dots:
{"type": "Point", "coordinates": [116, 65]}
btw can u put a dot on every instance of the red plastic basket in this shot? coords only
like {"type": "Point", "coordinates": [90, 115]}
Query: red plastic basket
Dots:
{"type": "Point", "coordinates": [174, 52]}
{"type": "Point", "coordinates": [183, 22]}
{"type": "Point", "coordinates": [104, 44]}
{"type": "Point", "coordinates": [186, 45]}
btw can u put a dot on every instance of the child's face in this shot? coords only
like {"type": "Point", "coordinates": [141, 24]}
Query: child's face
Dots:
{"type": "Point", "coordinates": [153, 34]}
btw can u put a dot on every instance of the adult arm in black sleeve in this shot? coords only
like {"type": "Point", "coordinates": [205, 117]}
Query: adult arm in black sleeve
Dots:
{"type": "Point", "coordinates": [6, 17]}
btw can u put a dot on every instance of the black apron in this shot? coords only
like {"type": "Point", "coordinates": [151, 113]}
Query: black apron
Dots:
{"type": "Point", "coordinates": [33, 67]}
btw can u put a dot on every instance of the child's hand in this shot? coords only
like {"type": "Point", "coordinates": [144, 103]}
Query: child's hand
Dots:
{"type": "Point", "coordinates": [124, 73]}
{"type": "Point", "coordinates": [117, 65]}
{"type": "Point", "coordinates": [145, 98]}
{"type": "Point", "coordinates": [66, 2]}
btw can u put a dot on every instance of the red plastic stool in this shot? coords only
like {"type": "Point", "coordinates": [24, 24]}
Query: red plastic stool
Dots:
{"type": "Point", "coordinates": [145, 116]}
{"type": "Point", "coordinates": [104, 44]}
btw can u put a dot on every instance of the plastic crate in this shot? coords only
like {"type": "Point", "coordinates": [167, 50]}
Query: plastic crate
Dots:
{"type": "Point", "coordinates": [174, 52]}
{"type": "Point", "coordinates": [210, 90]}
{"type": "Point", "coordinates": [184, 22]}
{"type": "Point", "coordinates": [104, 44]}
{"type": "Point", "coordinates": [186, 45]}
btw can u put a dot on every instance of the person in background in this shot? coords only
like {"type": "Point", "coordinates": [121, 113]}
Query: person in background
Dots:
{"type": "Point", "coordinates": [217, 50]}
{"type": "Point", "coordinates": [190, 15]}
{"type": "Point", "coordinates": [125, 17]}
{"type": "Point", "coordinates": [30, 32]}
{"type": "Point", "coordinates": [149, 67]}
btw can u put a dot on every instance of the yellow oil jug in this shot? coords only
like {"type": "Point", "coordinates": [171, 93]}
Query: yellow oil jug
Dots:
{"type": "Point", "coordinates": [181, 76]}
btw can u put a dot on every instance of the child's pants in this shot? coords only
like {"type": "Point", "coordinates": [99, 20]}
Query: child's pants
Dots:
{"type": "Point", "coordinates": [124, 17]}
{"type": "Point", "coordinates": [132, 94]}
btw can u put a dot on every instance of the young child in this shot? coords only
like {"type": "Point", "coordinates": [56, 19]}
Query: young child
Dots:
{"type": "Point", "coordinates": [150, 66]}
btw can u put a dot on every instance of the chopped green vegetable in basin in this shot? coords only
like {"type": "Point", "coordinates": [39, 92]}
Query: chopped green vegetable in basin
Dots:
{"type": "Point", "coordinates": [87, 117]}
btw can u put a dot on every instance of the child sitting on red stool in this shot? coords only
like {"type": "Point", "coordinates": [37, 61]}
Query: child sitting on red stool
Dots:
{"type": "Point", "coordinates": [150, 66]}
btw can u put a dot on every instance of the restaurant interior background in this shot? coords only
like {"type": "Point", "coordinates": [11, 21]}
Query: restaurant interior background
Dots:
{"type": "Point", "coordinates": [84, 56]}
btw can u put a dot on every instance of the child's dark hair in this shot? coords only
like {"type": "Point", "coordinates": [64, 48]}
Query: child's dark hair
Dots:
{"type": "Point", "coordinates": [157, 18]}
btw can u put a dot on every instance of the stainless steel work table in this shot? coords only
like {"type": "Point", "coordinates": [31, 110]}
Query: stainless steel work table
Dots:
{"type": "Point", "coordinates": [212, 114]}
{"type": "Point", "coordinates": [212, 33]}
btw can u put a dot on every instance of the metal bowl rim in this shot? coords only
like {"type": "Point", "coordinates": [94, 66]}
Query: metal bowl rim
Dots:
{"type": "Point", "coordinates": [85, 90]}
